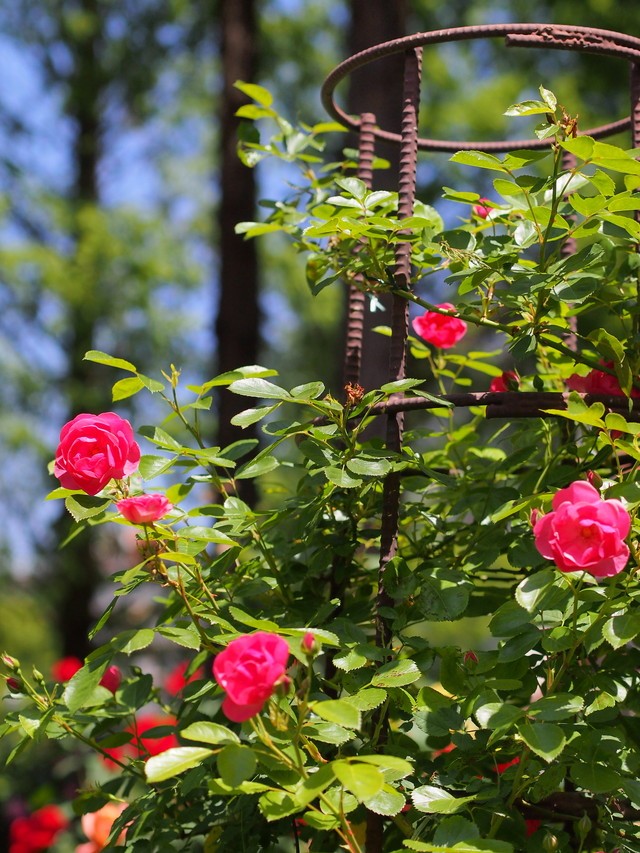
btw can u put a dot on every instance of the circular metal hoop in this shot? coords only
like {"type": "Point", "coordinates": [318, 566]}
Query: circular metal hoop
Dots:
{"type": "Point", "coordinates": [557, 37]}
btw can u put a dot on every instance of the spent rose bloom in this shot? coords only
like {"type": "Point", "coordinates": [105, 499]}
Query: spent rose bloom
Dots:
{"type": "Point", "coordinates": [507, 381]}
{"type": "Point", "coordinates": [249, 670]}
{"type": "Point", "coordinates": [144, 509]}
{"type": "Point", "coordinates": [36, 832]}
{"type": "Point", "coordinates": [440, 330]}
{"type": "Point", "coordinates": [93, 450]}
{"type": "Point", "coordinates": [584, 532]}
{"type": "Point", "coordinates": [97, 827]}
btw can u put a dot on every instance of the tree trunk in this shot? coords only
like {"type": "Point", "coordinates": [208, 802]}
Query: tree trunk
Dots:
{"type": "Point", "coordinates": [238, 319]}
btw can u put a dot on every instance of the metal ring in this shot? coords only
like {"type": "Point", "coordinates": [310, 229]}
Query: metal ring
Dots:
{"type": "Point", "coordinates": [557, 37]}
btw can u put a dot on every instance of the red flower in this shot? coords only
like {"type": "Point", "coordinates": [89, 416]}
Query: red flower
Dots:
{"type": "Point", "coordinates": [37, 831]}
{"type": "Point", "coordinates": [507, 381]}
{"type": "Point", "coordinates": [144, 509]}
{"type": "Point", "coordinates": [584, 532]}
{"type": "Point", "coordinates": [500, 768]}
{"type": "Point", "coordinates": [598, 382]}
{"type": "Point", "coordinates": [249, 670]}
{"type": "Point", "coordinates": [93, 450]}
{"type": "Point", "coordinates": [482, 208]}
{"type": "Point", "coordinates": [142, 744]}
{"type": "Point", "coordinates": [441, 330]}
{"type": "Point", "coordinates": [65, 668]}
{"type": "Point", "coordinates": [176, 680]}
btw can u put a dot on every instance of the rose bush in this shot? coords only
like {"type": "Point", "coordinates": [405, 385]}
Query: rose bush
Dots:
{"type": "Point", "coordinates": [249, 670]}
{"type": "Point", "coordinates": [584, 532]}
{"type": "Point", "coordinates": [93, 450]}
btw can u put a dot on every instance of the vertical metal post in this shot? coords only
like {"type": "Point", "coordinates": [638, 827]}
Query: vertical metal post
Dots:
{"type": "Point", "coordinates": [634, 89]}
{"type": "Point", "coordinates": [357, 298]}
{"type": "Point", "coordinates": [568, 248]}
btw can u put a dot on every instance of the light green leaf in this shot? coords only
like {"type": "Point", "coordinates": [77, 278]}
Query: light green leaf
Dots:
{"type": "Point", "coordinates": [338, 711]}
{"type": "Point", "coordinates": [278, 804]}
{"type": "Point", "coordinates": [110, 360]}
{"type": "Point", "coordinates": [367, 467]}
{"type": "Point", "coordinates": [339, 477]}
{"type": "Point", "coordinates": [82, 685]}
{"type": "Point", "coordinates": [362, 780]}
{"type": "Point", "coordinates": [256, 93]}
{"type": "Point", "coordinates": [257, 467]}
{"type": "Point", "coordinates": [428, 798]}
{"type": "Point", "coordinates": [260, 388]}
{"type": "Point", "coordinates": [236, 763]}
{"type": "Point", "coordinates": [127, 387]}
{"type": "Point", "coordinates": [396, 674]}
{"type": "Point", "coordinates": [480, 159]}
{"type": "Point", "coordinates": [366, 699]}
{"type": "Point", "coordinates": [85, 506]}
{"type": "Point", "coordinates": [388, 802]}
{"type": "Point", "coordinates": [173, 761]}
{"type": "Point", "coordinates": [207, 732]}
{"type": "Point", "coordinates": [132, 641]}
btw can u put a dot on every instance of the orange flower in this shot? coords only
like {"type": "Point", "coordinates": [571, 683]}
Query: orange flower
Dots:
{"type": "Point", "coordinates": [97, 827]}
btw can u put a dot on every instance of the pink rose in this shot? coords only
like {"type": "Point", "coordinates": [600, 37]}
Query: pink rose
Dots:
{"type": "Point", "coordinates": [482, 208]}
{"type": "Point", "coordinates": [144, 509]}
{"type": "Point", "coordinates": [249, 670]}
{"type": "Point", "coordinates": [177, 679]}
{"type": "Point", "coordinates": [584, 532]}
{"type": "Point", "coordinates": [97, 826]}
{"type": "Point", "coordinates": [441, 330]}
{"type": "Point", "coordinates": [598, 382]}
{"type": "Point", "coordinates": [507, 381]}
{"type": "Point", "coordinates": [112, 678]}
{"type": "Point", "coordinates": [93, 450]}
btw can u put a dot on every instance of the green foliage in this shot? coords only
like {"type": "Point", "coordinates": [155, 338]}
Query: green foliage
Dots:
{"type": "Point", "coordinates": [453, 748]}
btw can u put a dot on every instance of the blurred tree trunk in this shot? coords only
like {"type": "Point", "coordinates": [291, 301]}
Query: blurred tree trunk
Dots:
{"type": "Point", "coordinates": [377, 88]}
{"type": "Point", "coordinates": [75, 565]}
{"type": "Point", "coordinates": [238, 318]}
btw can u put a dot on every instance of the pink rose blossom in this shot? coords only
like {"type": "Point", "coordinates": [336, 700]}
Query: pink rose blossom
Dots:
{"type": "Point", "coordinates": [441, 330]}
{"type": "Point", "coordinates": [249, 670]}
{"type": "Point", "coordinates": [482, 208]}
{"type": "Point", "coordinates": [598, 382]}
{"type": "Point", "coordinates": [144, 509]}
{"type": "Point", "coordinates": [584, 532]}
{"type": "Point", "coordinates": [177, 679]}
{"type": "Point", "coordinates": [111, 678]}
{"type": "Point", "coordinates": [93, 450]}
{"type": "Point", "coordinates": [507, 381]}
{"type": "Point", "coordinates": [97, 827]}
{"type": "Point", "coordinates": [309, 644]}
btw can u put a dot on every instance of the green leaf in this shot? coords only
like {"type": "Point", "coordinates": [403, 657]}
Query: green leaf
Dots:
{"type": "Point", "coordinates": [278, 804]}
{"type": "Point", "coordinates": [124, 388]}
{"type": "Point", "coordinates": [621, 629]}
{"type": "Point", "coordinates": [256, 93]}
{"type": "Point", "coordinates": [480, 159]}
{"type": "Point", "coordinates": [596, 778]}
{"type": "Point", "coordinates": [128, 642]}
{"type": "Point", "coordinates": [559, 707]}
{"type": "Point", "coordinates": [153, 466]}
{"type": "Point", "coordinates": [85, 506]}
{"type": "Point", "coordinates": [428, 798]}
{"type": "Point", "coordinates": [111, 361]}
{"type": "Point", "coordinates": [340, 478]}
{"type": "Point", "coordinates": [388, 802]}
{"type": "Point", "coordinates": [257, 467]}
{"type": "Point", "coordinates": [206, 534]}
{"type": "Point", "coordinates": [528, 108]}
{"type": "Point", "coordinates": [188, 637]}
{"type": "Point", "coordinates": [545, 739]}
{"type": "Point", "coordinates": [442, 599]}
{"type": "Point", "coordinates": [366, 699]}
{"type": "Point", "coordinates": [540, 592]}
{"type": "Point", "coordinates": [581, 146]}
{"type": "Point", "coordinates": [173, 761]}
{"type": "Point", "coordinates": [367, 467]}
{"type": "Point", "coordinates": [207, 732]}
{"type": "Point", "coordinates": [396, 674]}
{"type": "Point", "coordinates": [260, 388]}
{"type": "Point", "coordinates": [482, 845]}
{"type": "Point", "coordinates": [236, 763]}
{"type": "Point", "coordinates": [498, 715]}
{"type": "Point", "coordinates": [362, 780]}
{"type": "Point", "coordinates": [338, 711]}
{"type": "Point", "coordinates": [82, 685]}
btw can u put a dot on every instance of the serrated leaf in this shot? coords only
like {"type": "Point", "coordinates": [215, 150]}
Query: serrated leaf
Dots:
{"type": "Point", "coordinates": [104, 358]}
{"type": "Point", "coordinates": [480, 159]}
{"type": "Point", "coordinates": [545, 739]}
{"type": "Point", "coordinates": [396, 674]}
{"type": "Point", "coordinates": [252, 416]}
{"type": "Point", "coordinates": [362, 780]}
{"type": "Point", "coordinates": [82, 685]}
{"type": "Point", "coordinates": [277, 804]}
{"type": "Point", "coordinates": [260, 388]}
{"type": "Point", "coordinates": [257, 467]}
{"type": "Point", "coordinates": [85, 506]}
{"type": "Point", "coordinates": [132, 641]}
{"type": "Point", "coordinates": [339, 477]}
{"type": "Point", "coordinates": [428, 798]}
{"type": "Point", "coordinates": [173, 761]}
{"type": "Point", "coordinates": [124, 388]}
{"type": "Point", "coordinates": [188, 638]}
{"type": "Point", "coordinates": [367, 699]}
{"type": "Point", "coordinates": [236, 763]}
{"type": "Point", "coordinates": [338, 711]}
{"type": "Point", "coordinates": [388, 802]}
{"type": "Point", "coordinates": [369, 467]}
{"type": "Point", "coordinates": [621, 629]}
{"type": "Point", "coordinates": [207, 732]}
{"type": "Point", "coordinates": [596, 778]}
